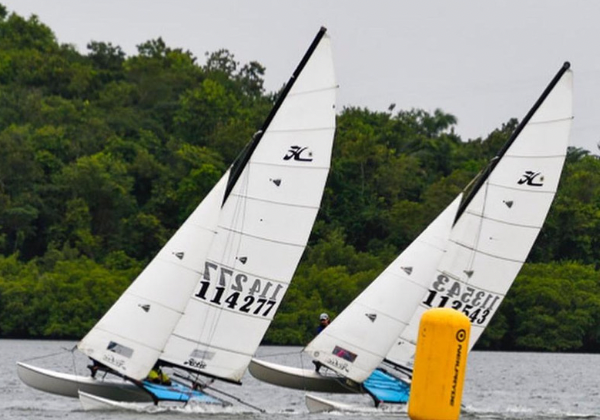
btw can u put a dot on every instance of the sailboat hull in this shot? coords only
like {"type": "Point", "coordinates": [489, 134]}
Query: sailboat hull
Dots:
{"type": "Point", "coordinates": [304, 379]}
{"type": "Point", "coordinates": [321, 405]}
{"type": "Point", "coordinates": [115, 391]}
{"type": "Point", "coordinates": [69, 385]}
{"type": "Point", "coordinates": [91, 402]}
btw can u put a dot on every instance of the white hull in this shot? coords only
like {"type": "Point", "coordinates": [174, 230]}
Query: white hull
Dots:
{"type": "Point", "coordinates": [91, 402]}
{"type": "Point", "coordinates": [70, 385]}
{"type": "Point", "coordinates": [321, 405]}
{"type": "Point", "coordinates": [304, 379]}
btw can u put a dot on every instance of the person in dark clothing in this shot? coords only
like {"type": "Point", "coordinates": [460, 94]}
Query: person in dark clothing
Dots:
{"type": "Point", "coordinates": [323, 322]}
{"type": "Point", "coordinates": [95, 367]}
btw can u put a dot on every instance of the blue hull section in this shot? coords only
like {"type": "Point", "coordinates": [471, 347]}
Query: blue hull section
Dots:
{"type": "Point", "coordinates": [385, 388]}
{"type": "Point", "coordinates": [179, 392]}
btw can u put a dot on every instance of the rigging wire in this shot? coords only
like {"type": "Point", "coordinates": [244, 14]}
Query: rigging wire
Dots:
{"type": "Point", "coordinates": [237, 399]}
{"type": "Point", "coordinates": [479, 230]}
{"type": "Point", "coordinates": [227, 254]}
{"type": "Point", "coordinates": [72, 351]}
{"type": "Point", "coordinates": [44, 356]}
{"type": "Point", "coordinates": [207, 385]}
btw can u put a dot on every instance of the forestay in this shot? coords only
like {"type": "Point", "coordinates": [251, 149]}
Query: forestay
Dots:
{"type": "Point", "coordinates": [496, 229]}
{"type": "Point", "coordinates": [263, 227]}
{"type": "Point", "coordinates": [359, 338]}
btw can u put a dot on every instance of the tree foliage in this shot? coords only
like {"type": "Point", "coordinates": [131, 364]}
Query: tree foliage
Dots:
{"type": "Point", "coordinates": [103, 156]}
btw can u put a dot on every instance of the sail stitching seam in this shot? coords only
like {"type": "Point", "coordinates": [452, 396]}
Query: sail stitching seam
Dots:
{"type": "Point", "coordinates": [262, 200]}
{"type": "Point", "coordinates": [487, 253]}
{"type": "Point", "coordinates": [509, 156]}
{"type": "Point", "coordinates": [262, 237]}
{"type": "Point", "coordinates": [480, 288]}
{"type": "Point", "coordinates": [502, 221]}
{"type": "Point", "coordinates": [551, 121]}
{"type": "Point", "coordinates": [251, 274]}
{"type": "Point", "coordinates": [279, 165]}
{"type": "Point", "coordinates": [520, 189]}
{"type": "Point", "coordinates": [306, 92]}
{"type": "Point", "coordinates": [300, 130]}
{"type": "Point", "coordinates": [200, 343]}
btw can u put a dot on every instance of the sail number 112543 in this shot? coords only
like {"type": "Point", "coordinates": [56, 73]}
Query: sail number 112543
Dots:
{"type": "Point", "coordinates": [476, 304]}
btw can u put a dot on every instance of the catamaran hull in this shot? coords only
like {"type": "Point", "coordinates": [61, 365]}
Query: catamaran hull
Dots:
{"type": "Point", "coordinates": [69, 385]}
{"type": "Point", "coordinates": [321, 405]}
{"type": "Point", "coordinates": [91, 402]}
{"type": "Point", "coordinates": [304, 379]}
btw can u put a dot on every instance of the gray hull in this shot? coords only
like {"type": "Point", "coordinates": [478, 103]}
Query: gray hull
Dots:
{"type": "Point", "coordinates": [304, 379]}
{"type": "Point", "coordinates": [321, 405]}
{"type": "Point", "coordinates": [70, 385]}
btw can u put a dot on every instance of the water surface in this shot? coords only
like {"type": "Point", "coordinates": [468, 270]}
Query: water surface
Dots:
{"type": "Point", "coordinates": [529, 386]}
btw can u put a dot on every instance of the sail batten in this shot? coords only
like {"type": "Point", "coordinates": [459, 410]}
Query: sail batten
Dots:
{"type": "Point", "coordinates": [217, 348]}
{"type": "Point", "coordinates": [279, 203]}
{"type": "Point", "coordinates": [510, 188]}
{"type": "Point", "coordinates": [504, 222]}
{"type": "Point", "coordinates": [556, 120]}
{"type": "Point", "coordinates": [474, 250]}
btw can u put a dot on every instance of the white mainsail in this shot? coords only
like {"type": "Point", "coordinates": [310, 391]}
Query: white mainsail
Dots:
{"type": "Point", "coordinates": [494, 234]}
{"type": "Point", "coordinates": [360, 337]}
{"type": "Point", "coordinates": [263, 228]}
{"type": "Point", "coordinates": [236, 254]}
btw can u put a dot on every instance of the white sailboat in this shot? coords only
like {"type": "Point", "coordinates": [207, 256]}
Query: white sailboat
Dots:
{"type": "Point", "coordinates": [205, 301]}
{"type": "Point", "coordinates": [498, 225]}
{"type": "Point", "coordinates": [492, 235]}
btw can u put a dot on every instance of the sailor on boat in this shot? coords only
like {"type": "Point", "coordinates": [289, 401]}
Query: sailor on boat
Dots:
{"type": "Point", "coordinates": [157, 376]}
{"type": "Point", "coordinates": [323, 322]}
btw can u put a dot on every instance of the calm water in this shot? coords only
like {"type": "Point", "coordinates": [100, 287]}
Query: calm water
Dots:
{"type": "Point", "coordinates": [528, 386]}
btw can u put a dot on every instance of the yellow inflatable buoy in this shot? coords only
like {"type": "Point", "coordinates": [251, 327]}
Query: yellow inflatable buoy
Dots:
{"type": "Point", "coordinates": [440, 364]}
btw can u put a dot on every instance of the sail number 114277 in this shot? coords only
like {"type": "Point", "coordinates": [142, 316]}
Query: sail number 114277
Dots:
{"type": "Point", "coordinates": [237, 292]}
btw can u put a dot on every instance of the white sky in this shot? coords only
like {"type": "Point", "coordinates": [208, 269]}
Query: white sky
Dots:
{"type": "Point", "coordinates": [482, 61]}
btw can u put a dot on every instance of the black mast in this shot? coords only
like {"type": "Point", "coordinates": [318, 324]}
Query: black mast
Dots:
{"type": "Point", "coordinates": [484, 176]}
{"type": "Point", "coordinates": [240, 163]}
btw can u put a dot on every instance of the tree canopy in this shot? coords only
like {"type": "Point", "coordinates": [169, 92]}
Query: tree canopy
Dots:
{"type": "Point", "coordinates": [103, 155]}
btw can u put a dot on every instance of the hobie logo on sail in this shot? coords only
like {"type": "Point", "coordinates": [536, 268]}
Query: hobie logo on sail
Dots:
{"type": "Point", "coordinates": [529, 178]}
{"type": "Point", "coordinates": [298, 153]}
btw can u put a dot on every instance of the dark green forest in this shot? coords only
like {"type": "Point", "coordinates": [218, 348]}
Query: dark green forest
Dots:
{"type": "Point", "coordinates": [104, 155]}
